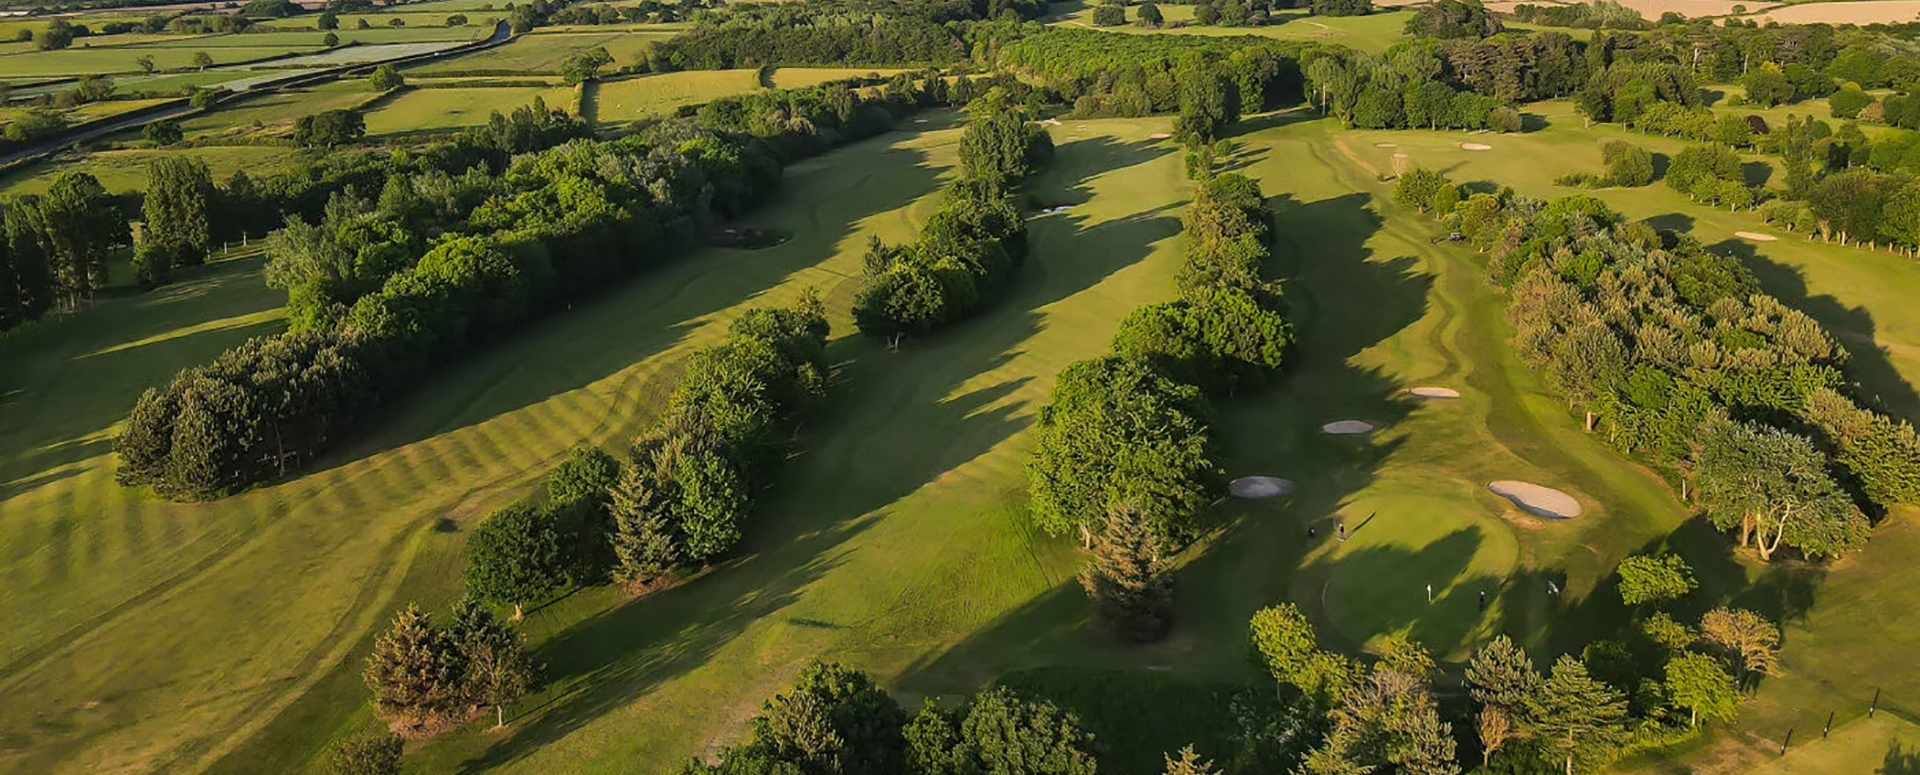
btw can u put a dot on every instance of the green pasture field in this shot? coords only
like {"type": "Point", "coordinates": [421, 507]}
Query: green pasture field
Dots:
{"type": "Point", "coordinates": [84, 61]}
{"type": "Point", "coordinates": [545, 53]}
{"type": "Point", "coordinates": [87, 112]}
{"type": "Point", "coordinates": [274, 114]}
{"type": "Point", "coordinates": [414, 20]}
{"type": "Point", "coordinates": [379, 34]}
{"type": "Point", "coordinates": [661, 94]}
{"type": "Point", "coordinates": [801, 77]}
{"type": "Point", "coordinates": [1373, 32]}
{"type": "Point", "coordinates": [434, 110]}
{"type": "Point", "coordinates": [121, 171]}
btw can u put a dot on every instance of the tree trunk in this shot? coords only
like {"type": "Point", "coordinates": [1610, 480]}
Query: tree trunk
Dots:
{"type": "Point", "coordinates": [1589, 420]}
{"type": "Point", "coordinates": [519, 611]}
{"type": "Point", "coordinates": [1693, 717]}
{"type": "Point", "coordinates": [499, 716]}
{"type": "Point", "coordinates": [1086, 537]}
{"type": "Point", "coordinates": [1779, 532]}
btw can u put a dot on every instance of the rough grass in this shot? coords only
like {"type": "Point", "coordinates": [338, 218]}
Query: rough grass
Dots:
{"type": "Point", "coordinates": [663, 93]}
{"type": "Point", "coordinates": [273, 115]}
{"type": "Point", "coordinates": [802, 77]}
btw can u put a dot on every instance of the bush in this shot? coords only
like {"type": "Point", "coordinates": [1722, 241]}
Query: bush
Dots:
{"type": "Point", "coordinates": [1109, 15]}
{"type": "Point", "coordinates": [1503, 119]}
{"type": "Point", "coordinates": [1627, 165]}
{"type": "Point", "coordinates": [1849, 101]}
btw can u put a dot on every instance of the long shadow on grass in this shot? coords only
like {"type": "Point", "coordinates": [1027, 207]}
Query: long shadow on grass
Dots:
{"type": "Point", "coordinates": [893, 423]}
{"type": "Point", "coordinates": [1343, 300]}
{"type": "Point", "coordinates": [1853, 326]}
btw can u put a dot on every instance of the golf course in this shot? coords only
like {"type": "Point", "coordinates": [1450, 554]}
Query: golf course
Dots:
{"type": "Point", "coordinates": [1403, 490]}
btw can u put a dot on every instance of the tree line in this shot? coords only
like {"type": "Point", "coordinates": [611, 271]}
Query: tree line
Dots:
{"type": "Point", "coordinates": [55, 247]}
{"type": "Point", "coordinates": [838, 33]}
{"type": "Point", "coordinates": [968, 250]}
{"type": "Point", "coordinates": [1674, 354]}
{"type": "Point", "coordinates": [1138, 75]}
{"type": "Point", "coordinates": [1125, 455]}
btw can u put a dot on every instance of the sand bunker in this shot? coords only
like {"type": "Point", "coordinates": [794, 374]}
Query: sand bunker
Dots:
{"type": "Point", "coordinates": [1755, 236]}
{"type": "Point", "coordinates": [1476, 146]}
{"type": "Point", "coordinates": [1435, 392]}
{"type": "Point", "coordinates": [1386, 145]}
{"type": "Point", "coordinates": [1158, 136]}
{"type": "Point", "coordinates": [1259, 487]}
{"type": "Point", "coordinates": [1347, 426]}
{"type": "Point", "coordinates": [1543, 501]}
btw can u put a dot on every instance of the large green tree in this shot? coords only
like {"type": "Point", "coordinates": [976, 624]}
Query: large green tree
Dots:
{"type": "Point", "coordinates": [1581, 718]}
{"type": "Point", "coordinates": [1773, 487]}
{"type": "Point", "coordinates": [515, 557]}
{"type": "Point", "coordinates": [178, 208]}
{"type": "Point", "coordinates": [1126, 578]}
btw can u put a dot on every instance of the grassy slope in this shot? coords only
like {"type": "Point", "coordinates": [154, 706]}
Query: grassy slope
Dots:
{"type": "Point", "coordinates": [432, 110]}
{"type": "Point", "coordinates": [163, 633]}
{"type": "Point", "coordinates": [127, 170]}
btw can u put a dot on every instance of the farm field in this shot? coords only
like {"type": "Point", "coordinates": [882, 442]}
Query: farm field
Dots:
{"type": "Point", "coordinates": [662, 93]}
{"type": "Point", "coordinates": [434, 110]}
{"type": "Point", "coordinates": [1841, 12]}
{"type": "Point", "coordinates": [126, 170]}
{"type": "Point", "coordinates": [274, 114]}
{"type": "Point", "coordinates": [544, 53]}
{"type": "Point", "coordinates": [802, 77]}
{"type": "Point", "coordinates": [83, 61]}
{"type": "Point", "coordinates": [1374, 32]}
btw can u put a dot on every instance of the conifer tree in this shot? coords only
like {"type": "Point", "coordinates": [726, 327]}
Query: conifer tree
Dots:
{"type": "Point", "coordinates": [414, 670]}
{"type": "Point", "coordinates": [1126, 578]}
{"type": "Point", "coordinates": [1579, 717]}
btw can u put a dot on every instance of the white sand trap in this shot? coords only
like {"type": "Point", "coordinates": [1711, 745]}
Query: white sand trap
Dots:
{"type": "Point", "coordinates": [1544, 501]}
{"type": "Point", "coordinates": [1435, 392]}
{"type": "Point", "coordinates": [1051, 122]}
{"type": "Point", "coordinates": [1755, 236]}
{"type": "Point", "coordinates": [1386, 145]}
{"type": "Point", "coordinates": [1259, 487]}
{"type": "Point", "coordinates": [1159, 136]}
{"type": "Point", "coordinates": [919, 121]}
{"type": "Point", "coordinates": [1347, 427]}
{"type": "Point", "coordinates": [1476, 146]}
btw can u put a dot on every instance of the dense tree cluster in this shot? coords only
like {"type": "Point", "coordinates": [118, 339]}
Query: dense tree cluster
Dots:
{"type": "Point", "coordinates": [1453, 19]}
{"type": "Point", "coordinates": [968, 251]}
{"type": "Point", "coordinates": [1675, 355]}
{"type": "Point", "coordinates": [1456, 84]}
{"type": "Point", "coordinates": [1125, 455]}
{"type": "Point", "coordinates": [1139, 75]}
{"type": "Point", "coordinates": [373, 312]}
{"type": "Point", "coordinates": [686, 487]}
{"type": "Point", "coordinates": [54, 248]}
{"type": "Point", "coordinates": [1591, 15]}
{"type": "Point", "coordinates": [802, 122]}
{"type": "Point", "coordinates": [838, 33]}
{"type": "Point", "coordinates": [426, 677]}
{"type": "Point", "coordinates": [836, 721]}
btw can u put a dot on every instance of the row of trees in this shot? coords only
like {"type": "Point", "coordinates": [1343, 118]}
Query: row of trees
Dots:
{"type": "Point", "coordinates": [967, 251]}
{"type": "Point", "coordinates": [1125, 455]}
{"type": "Point", "coordinates": [1398, 92]}
{"type": "Point", "coordinates": [426, 678]}
{"type": "Point", "coordinates": [54, 248]}
{"type": "Point", "coordinates": [555, 226]}
{"type": "Point", "coordinates": [1674, 354]}
{"type": "Point", "coordinates": [1139, 75]}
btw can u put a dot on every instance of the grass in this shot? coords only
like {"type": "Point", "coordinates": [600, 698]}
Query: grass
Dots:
{"type": "Point", "coordinates": [87, 112]}
{"type": "Point", "coordinates": [85, 61]}
{"type": "Point", "coordinates": [1373, 32]}
{"type": "Point", "coordinates": [802, 77]}
{"type": "Point", "coordinates": [126, 170]}
{"type": "Point", "coordinates": [545, 53]}
{"type": "Point", "coordinates": [433, 110]}
{"type": "Point", "coordinates": [273, 115]}
{"type": "Point", "coordinates": [663, 93]}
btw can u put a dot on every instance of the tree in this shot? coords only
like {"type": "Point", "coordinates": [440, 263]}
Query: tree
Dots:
{"type": "Point", "coordinates": [331, 40]}
{"type": "Point", "coordinates": [328, 21]}
{"type": "Point", "coordinates": [1747, 638]}
{"type": "Point", "coordinates": [585, 66]}
{"type": "Point", "coordinates": [1767, 86]}
{"type": "Point", "coordinates": [456, 20]}
{"type": "Point", "coordinates": [1418, 187]}
{"type": "Point", "coordinates": [178, 208]}
{"type": "Point", "coordinates": [498, 669]}
{"type": "Point", "coordinates": [202, 60]}
{"type": "Point", "coordinates": [1109, 14]}
{"type": "Point", "coordinates": [1009, 735]}
{"type": "Point", "coordinates": [373, 755]}
{"type": "Point", "coordinates": [1387, 722]}
{"type": "Point", "coordinates": [1209, 102]}
{"type": "Point", "coordinates": [1495, 728]}
{"type": "Point", "coordinates": [1849, 101]}
{"type": "Point", "coordinates": [385, 78]}
{"type": "Point", "coordinates": [1849, 204]}
{"type": "Point", "coordinates": [1189, 763]}
{"type": "Point", "coordinates": [145, 63]}
{"type": "Point", "coordinates": [1342, 7]}
{"type": "Point", "coordinates": [415, 670]}
{"type": "Point", "coordinates": [76, 224]}
{"type": "Point", "coordinates": [57, 35]}
{"type": "Point", "coordinates": [1149, 15]}
{"type": "Point", "coordinates": [1654, 579]}
{"type": "Point", "coordinates": [1627, 165]}
{"type": "Point", "coordinates": [1502, 676]}
{"type": "Point", "coordinates": [834, 721]}
{"type": "Point", "coordinates": [1286, 644]}
{"type": "Point", "coordinates": [1697, 682]}
{"type": "Point", "coordinates": [328, 129]}
{"type": "Point", "coordinates": [162, 133]}
{"type": "Point", "coordinates": [1667, 632]}
{"type": "Point", "coordinates": [514, 557]}
{"type": "Point", "coordinates": [1581, 718]}
{"type": "Point", "coordinates": [1774, 488]}
{"type": "Point", "coordinates": [1126, 578]}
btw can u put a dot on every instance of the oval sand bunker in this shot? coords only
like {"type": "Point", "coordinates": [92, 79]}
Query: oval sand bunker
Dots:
{"type": "Point", "coordinates": [1476, 146]}
{"type": "Point", "coordinates": [1347, 426]}
{"type": "Point", "coordinates": [1158, 136]}
{"type": "Point", "coordinates": [1755, 236]}
{"type": "Point", "coordinates": [1260, 487]}
{"type": "Point", "coordinates": [1536, 499]}
{"type": "Point", "coordinates": [1386, 145]}
{"type": "Point", "coordinates": [1435, 392]}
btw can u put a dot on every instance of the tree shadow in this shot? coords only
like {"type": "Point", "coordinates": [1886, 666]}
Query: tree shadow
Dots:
{"type": "Point", "coordinates": [1900, 760]}
{"type": "Point", "coordinates": [1679, 223]}
{"type": "Point", "coordinates": [1756, 173]}
{"type": "Point", "coordinates": [1868, 364]}
{"type": "Point", "coordinates": [1534, 122]}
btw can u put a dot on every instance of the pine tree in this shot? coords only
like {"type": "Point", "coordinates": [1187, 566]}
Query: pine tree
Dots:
{"type": "Point", "coordinates": [1502, 676]}
{"type": "Point", "coordinates": [1189, 763]}
{"type": "Point", "coordinates": [415, 670]}
{"type": "Point", "coordinates": [1579, 716]}
{"type": "Point", "coordinates": [1126, 578]}
{"type": "Point", "coordinates": [499, 670]}
{"type": "Point", "coordinates": [644, 544]}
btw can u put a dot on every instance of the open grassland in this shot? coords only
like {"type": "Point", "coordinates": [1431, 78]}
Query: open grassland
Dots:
{"type": "Point", "coordinates": [801, 77]}
{"type": "Point", "coordinates": [85, 61]}
{"type": "Point", "coordinates": [274, 114]}
{"type": "Point", "coordinates": [1374, 32]}
{"type": "Point", "coordinates": [437, 110]}
{"type": "Point", "coordinates": [126, 170]}
{"type": "Point", "coordinates": [87, 112]}
{"type": "Point", "coordinates": [546, 53]}
{"type": "Point", "coordinates": [653, 96]}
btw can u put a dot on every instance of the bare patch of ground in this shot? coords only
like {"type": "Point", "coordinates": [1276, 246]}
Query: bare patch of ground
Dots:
{"type": "Point", "coordinates": [1755, 236]}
